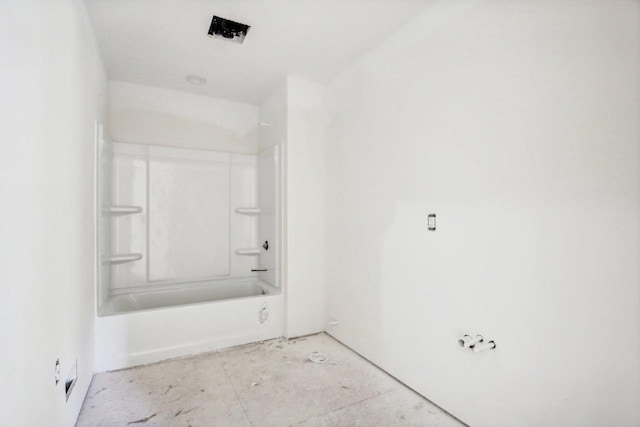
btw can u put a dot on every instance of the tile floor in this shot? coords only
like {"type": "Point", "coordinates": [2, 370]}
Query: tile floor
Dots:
{"type": "Point", "coordinates": [259, 385]}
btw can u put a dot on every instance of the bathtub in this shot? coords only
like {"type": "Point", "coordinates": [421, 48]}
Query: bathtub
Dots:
{"type": "Point", "coordinates": [150, 325]}
{"type": "Point", "coordinates": [199, 292]}
{"type": "Point", "coordinates": [171, 223]}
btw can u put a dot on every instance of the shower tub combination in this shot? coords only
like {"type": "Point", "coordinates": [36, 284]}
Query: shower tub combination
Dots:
{"type": "Point", "coordinates": [189, 243]}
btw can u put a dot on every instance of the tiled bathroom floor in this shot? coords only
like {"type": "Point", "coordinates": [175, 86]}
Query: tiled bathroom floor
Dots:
{"type": "Point", "coordinates": [260, 385]}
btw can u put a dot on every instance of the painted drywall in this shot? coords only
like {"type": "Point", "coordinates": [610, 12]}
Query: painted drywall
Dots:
{"type": "Point", "coordinates": [53, 89]}
{"type": "Point", "coordinates": [273, 118]}
{"type": "Point", "coordinates": [305, 190]}
{"type": "Point", "coordinates": [148, 115]}
{"type": "Point", "coordinates": [517, 124]}
{"type": "Point", "coordinates": [158, 42]}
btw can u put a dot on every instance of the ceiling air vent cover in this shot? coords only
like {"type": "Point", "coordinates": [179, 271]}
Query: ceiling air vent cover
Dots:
{"type": "Point", "coordinates": [228, 30]}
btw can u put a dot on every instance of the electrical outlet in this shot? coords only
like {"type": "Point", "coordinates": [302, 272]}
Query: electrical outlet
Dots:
{"type": "Point", "coordinates": [431, 222]}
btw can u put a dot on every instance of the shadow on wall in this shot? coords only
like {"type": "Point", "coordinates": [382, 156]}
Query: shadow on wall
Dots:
{"type": "Point", "coordinates": [150, 127]}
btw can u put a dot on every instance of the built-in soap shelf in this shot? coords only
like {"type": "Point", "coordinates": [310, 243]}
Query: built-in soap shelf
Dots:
{"type": "Point", "coordinates": [248, 251]}
{"type": "Point", "coordinates": [122, 258]}
{"type": "Point", "coordinates": [248, 211]}
{"type": "Point", "coordinates": [124, 210]}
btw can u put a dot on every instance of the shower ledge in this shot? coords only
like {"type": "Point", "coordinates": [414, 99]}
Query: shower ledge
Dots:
{"type": "Point", "coordinates": [248, 251]}
{"type": "Point", "coordinates": [248, 211]}
{"type": "Point", "coordinates": [122, 258]}
{"type": "Point", "coordinates": [124, 210]}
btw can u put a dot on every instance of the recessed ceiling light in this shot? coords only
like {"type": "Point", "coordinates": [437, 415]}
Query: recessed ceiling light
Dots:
{"type": "Point", "coordinates": [196, 80]}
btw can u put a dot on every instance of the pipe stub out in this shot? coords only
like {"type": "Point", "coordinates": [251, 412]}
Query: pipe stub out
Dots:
{"type": "Point", "coordinates": [477, 343]}
{"type": "Point", "coordinates": [462, 341]}
{"type": "Point", "coordinates": [467, 341]}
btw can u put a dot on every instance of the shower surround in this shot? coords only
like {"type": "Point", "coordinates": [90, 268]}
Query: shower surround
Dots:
{"type": "Point", "coordinates": [190, 250]}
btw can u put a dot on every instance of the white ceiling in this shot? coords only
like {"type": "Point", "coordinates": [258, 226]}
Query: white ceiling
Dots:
{"type": "Point", "coordinates": [159, 42]}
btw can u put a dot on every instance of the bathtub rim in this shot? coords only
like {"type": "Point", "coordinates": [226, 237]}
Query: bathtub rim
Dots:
{"type": "Point", "coordinates": [105, 311]}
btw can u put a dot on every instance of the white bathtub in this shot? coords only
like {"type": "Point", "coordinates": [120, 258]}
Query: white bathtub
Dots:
{"type": "Point", "coordinates": [152, 325]}
{"type": "Point", "coordinates": [182, 295]}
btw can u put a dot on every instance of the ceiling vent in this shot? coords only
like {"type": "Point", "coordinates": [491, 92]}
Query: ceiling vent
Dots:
{"type": "Point", "coordinates": [228, 30]}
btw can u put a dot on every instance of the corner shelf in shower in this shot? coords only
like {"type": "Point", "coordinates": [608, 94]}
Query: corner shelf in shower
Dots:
{"type": "Point", "coordinates": [122, 258]}
{"type": "Point", "coordinates": [248, 251]}
{"type": "Point", "coordinates": [124, 210]}
{"type": "Point", "coordinates": [248, 211]}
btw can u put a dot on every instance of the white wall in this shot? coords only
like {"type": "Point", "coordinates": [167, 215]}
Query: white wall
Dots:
{"type": "Point", "coordinates": [149, 115]}
{"type": "Point", "coordinates": [295, 116]}
{"type": "Point", "coordinates": [517, 123]}
{"type": "Point", "coordinates": [273, 116]}
{"type": "Point", "coordinates": [306, 304]}
{"type": "Point", "coordinates": [53, 89]}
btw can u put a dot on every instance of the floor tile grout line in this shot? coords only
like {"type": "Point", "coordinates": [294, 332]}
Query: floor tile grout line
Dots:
{"type": "Point", "coordinates": [244, 410]}
{"type": "Point", "coordinates": [343, 407]}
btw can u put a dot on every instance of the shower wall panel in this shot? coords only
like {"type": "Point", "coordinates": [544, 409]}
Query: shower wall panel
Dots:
{"type": "Point", "coordinates": [128, 232]}
{"type": "Point", "coordinates": [188, 229]}
{"type": "Point", "coordinates": [243, 228]}
{"type": "Point", "coordinates": [188, 216]}
{"type": "Point", "coordinates": [269, 187]}
{"type": "Point", "coordinates": [103, 238]}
